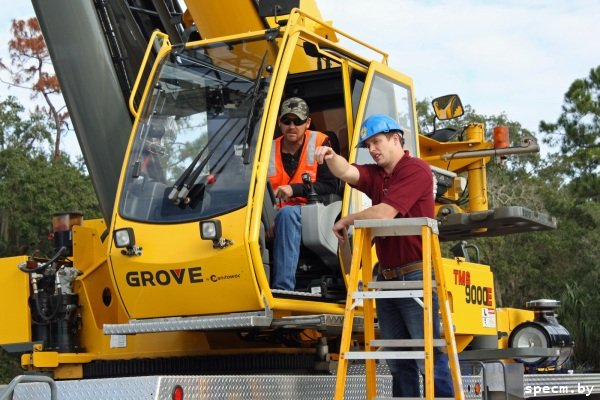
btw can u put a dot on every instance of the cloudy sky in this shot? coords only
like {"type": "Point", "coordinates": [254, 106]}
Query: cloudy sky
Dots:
{"type": "Point", "coordinates": [512, 56]}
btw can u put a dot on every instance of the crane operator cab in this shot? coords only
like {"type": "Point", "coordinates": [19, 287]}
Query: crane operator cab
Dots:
{"type": "Point", "coordinates": [199, 230]}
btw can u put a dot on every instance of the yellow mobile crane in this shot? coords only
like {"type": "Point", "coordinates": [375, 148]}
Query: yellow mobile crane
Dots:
{"type": "Point", "coordinates": [175, 278]}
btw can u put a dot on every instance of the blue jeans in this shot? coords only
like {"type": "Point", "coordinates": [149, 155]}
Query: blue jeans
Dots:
{"type": "Point", "coordinates": [403, 319]}
{"type": "Point", "coordinates": [286, 247]}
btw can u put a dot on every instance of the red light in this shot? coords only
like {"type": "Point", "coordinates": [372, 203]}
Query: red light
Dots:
{"type": "Point", "coordinates": [177, 393]}
{"type": "Point", "coordinates": [477, 388]}
{"type": "Point", "coordinates": [501, 137]}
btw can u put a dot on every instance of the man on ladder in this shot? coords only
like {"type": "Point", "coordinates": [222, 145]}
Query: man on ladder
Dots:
{"type": "Point", "coordinates": [399, 185]}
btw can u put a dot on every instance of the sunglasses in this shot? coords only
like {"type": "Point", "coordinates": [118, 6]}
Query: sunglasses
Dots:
{"type": "Point", "coordinates": [296, 121]}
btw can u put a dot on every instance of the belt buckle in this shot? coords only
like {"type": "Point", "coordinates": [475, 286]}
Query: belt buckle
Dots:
{"type": "Point", "coordinates": [388, 273]}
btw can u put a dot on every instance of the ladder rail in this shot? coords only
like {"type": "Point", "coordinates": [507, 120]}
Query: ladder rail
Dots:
{"type": "Point", "coordinates": [349, 312]}
{"type": "Point", "coordinates": [444, 304]}
{"type": "Point", "coordinates": [427, 312]}
{"type": "Point", "coordinates": [369, 316]}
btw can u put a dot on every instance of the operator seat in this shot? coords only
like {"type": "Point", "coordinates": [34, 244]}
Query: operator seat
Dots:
{"type": "Point", "coordinates": [317, 236]}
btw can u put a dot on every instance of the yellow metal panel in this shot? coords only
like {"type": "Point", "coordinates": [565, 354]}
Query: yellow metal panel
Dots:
{"type": "Point", "coordinates": [180, 274]}
{"type": "Point", "coordinates": [239, 16]}
{"type": "Point", "coordinates": [94, 289]}
{"type": "Point", "coordinates": [88, 248]}
{"type": "Point", "coordinates": [15, 318]}
{"type": "Point", "coordinates": [462, 341]}
{"type": "Point", "coordinates": [471, 290]}
{"type": "Point", "coordinates": [68, 371]}
{"type": "Point", "coordinates": [517, 316]}
{"type": "Point", "coordinates": [45, 359]}
{"type": "Point", "coordinates": [508, 320]}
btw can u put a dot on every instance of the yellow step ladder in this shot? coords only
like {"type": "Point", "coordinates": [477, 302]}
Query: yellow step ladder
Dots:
{"type": "Point", "coordinates": [364, 232]}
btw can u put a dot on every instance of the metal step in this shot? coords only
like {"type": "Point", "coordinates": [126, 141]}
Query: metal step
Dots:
{"type": "Point", "coordinates": [227, 321]}
{"type": "Point", "coordinates": [385, 355]}
{"type": "Point", "coordinates": [405, 343]}
{"type": "Point", "coordinates": [402, 285]}
{"type": "Point", "coordinates": [388, 294]}
{"type": "Point", "coordinates": [397, 226]}
{"type": "Point", "coordinates": [213, 387]}
{"type": "Point", "coordinates": [330, 323]}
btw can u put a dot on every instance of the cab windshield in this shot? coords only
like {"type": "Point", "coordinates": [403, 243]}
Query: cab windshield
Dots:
{"type": "Point", "coordinates": [194, 144]}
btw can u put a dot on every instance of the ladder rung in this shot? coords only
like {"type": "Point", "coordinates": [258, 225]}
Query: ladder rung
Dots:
{"type": "Point", "coordinates": [406, 285]}
{"type": "Point", "coordinates": [385, 355]}
{"type": "Point", "coordinates": [406, 343]}
{"type": "Point", "coordinates": [388, 294]}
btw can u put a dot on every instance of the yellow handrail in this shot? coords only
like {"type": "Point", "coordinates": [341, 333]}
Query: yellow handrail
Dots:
{"type": "Point", "coordinates": [153, 38]}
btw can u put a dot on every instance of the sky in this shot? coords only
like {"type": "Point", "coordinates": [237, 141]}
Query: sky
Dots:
{"type": "Point", "coordinates": [516, 57]}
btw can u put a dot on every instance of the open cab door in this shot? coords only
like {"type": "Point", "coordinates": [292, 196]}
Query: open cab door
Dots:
{"type": "Point", "coordinates": [388, 92]}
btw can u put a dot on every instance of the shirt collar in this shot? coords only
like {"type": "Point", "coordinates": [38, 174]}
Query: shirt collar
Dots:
{"type": "Point", "coordinates": [398, 165]}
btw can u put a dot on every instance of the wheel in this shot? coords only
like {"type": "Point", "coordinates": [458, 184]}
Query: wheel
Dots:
{"type": "Point", "coordinates": [530, 334]}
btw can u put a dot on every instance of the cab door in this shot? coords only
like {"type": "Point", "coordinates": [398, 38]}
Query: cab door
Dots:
{"type": "Point", "coordinates": [389, 92]}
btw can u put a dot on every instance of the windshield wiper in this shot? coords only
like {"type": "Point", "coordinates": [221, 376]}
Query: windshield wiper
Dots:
{"type": "Point", "coordinates": [250, 119]}
{"type": "Point", "coordinates": [181, 187]}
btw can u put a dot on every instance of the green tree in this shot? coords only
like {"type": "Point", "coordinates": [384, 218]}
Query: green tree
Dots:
{"type": "Point", "coordinates": [577, 131]}
{"type": "Point", "coordinates": [32, 187]}
{"type": "Point", "coordinates": [31, 68]}
{"type": "Point", "coordinates": [573, 173]}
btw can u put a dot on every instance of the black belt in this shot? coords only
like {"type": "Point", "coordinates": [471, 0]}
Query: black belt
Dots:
{"type": "Point", "coordinates": [397, 272]}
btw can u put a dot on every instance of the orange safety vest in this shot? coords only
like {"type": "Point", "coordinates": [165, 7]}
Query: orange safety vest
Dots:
{"type": "Point", "coordinates": [307, 163]}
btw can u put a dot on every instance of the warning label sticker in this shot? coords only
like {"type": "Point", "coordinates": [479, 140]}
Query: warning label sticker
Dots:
{"type": "Point", "coordinates": [488, 317]}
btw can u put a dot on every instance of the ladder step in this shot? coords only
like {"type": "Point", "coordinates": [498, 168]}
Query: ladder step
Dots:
{"type": "Point", "coordinates": [387, 285]}
{"type": "Point", "coordinates": [406, 343]}
{"type": "Point", "coordinates": [388, 294]}
{"type": "Point", "coordinates": [397, 226]}
{"type": "Point", "coordinates": [385, 355]}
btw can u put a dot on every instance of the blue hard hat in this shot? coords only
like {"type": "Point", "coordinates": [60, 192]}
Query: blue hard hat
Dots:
{"type": "Point", "coordinates": [375, 124]}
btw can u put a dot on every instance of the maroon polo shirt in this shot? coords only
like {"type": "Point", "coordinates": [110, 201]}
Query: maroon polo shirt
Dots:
{"type": "Point", "coordinates": [409, 189]}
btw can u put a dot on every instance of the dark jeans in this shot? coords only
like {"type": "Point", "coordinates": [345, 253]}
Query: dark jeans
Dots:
{"type": "Point", "coordinates": [403, 319]}
{"type": "Point", "coordinates": [286, 247]}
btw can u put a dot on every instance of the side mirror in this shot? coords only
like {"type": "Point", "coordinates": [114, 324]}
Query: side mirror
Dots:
{"type": "Point", "coordinates": [447, 107]}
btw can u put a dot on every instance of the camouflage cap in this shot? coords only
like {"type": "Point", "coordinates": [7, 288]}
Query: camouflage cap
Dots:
{"type": "Point", "coordinates": [296, 106]}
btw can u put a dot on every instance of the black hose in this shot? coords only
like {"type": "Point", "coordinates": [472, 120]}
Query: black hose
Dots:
{"type": "Point", "coordinates": [54, 313]}
{"type": "Point", "coordinates": [45, 265]}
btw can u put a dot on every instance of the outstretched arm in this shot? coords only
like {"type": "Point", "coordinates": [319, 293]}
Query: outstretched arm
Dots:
{"type": "Point", "coordinates": [337, 165]}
